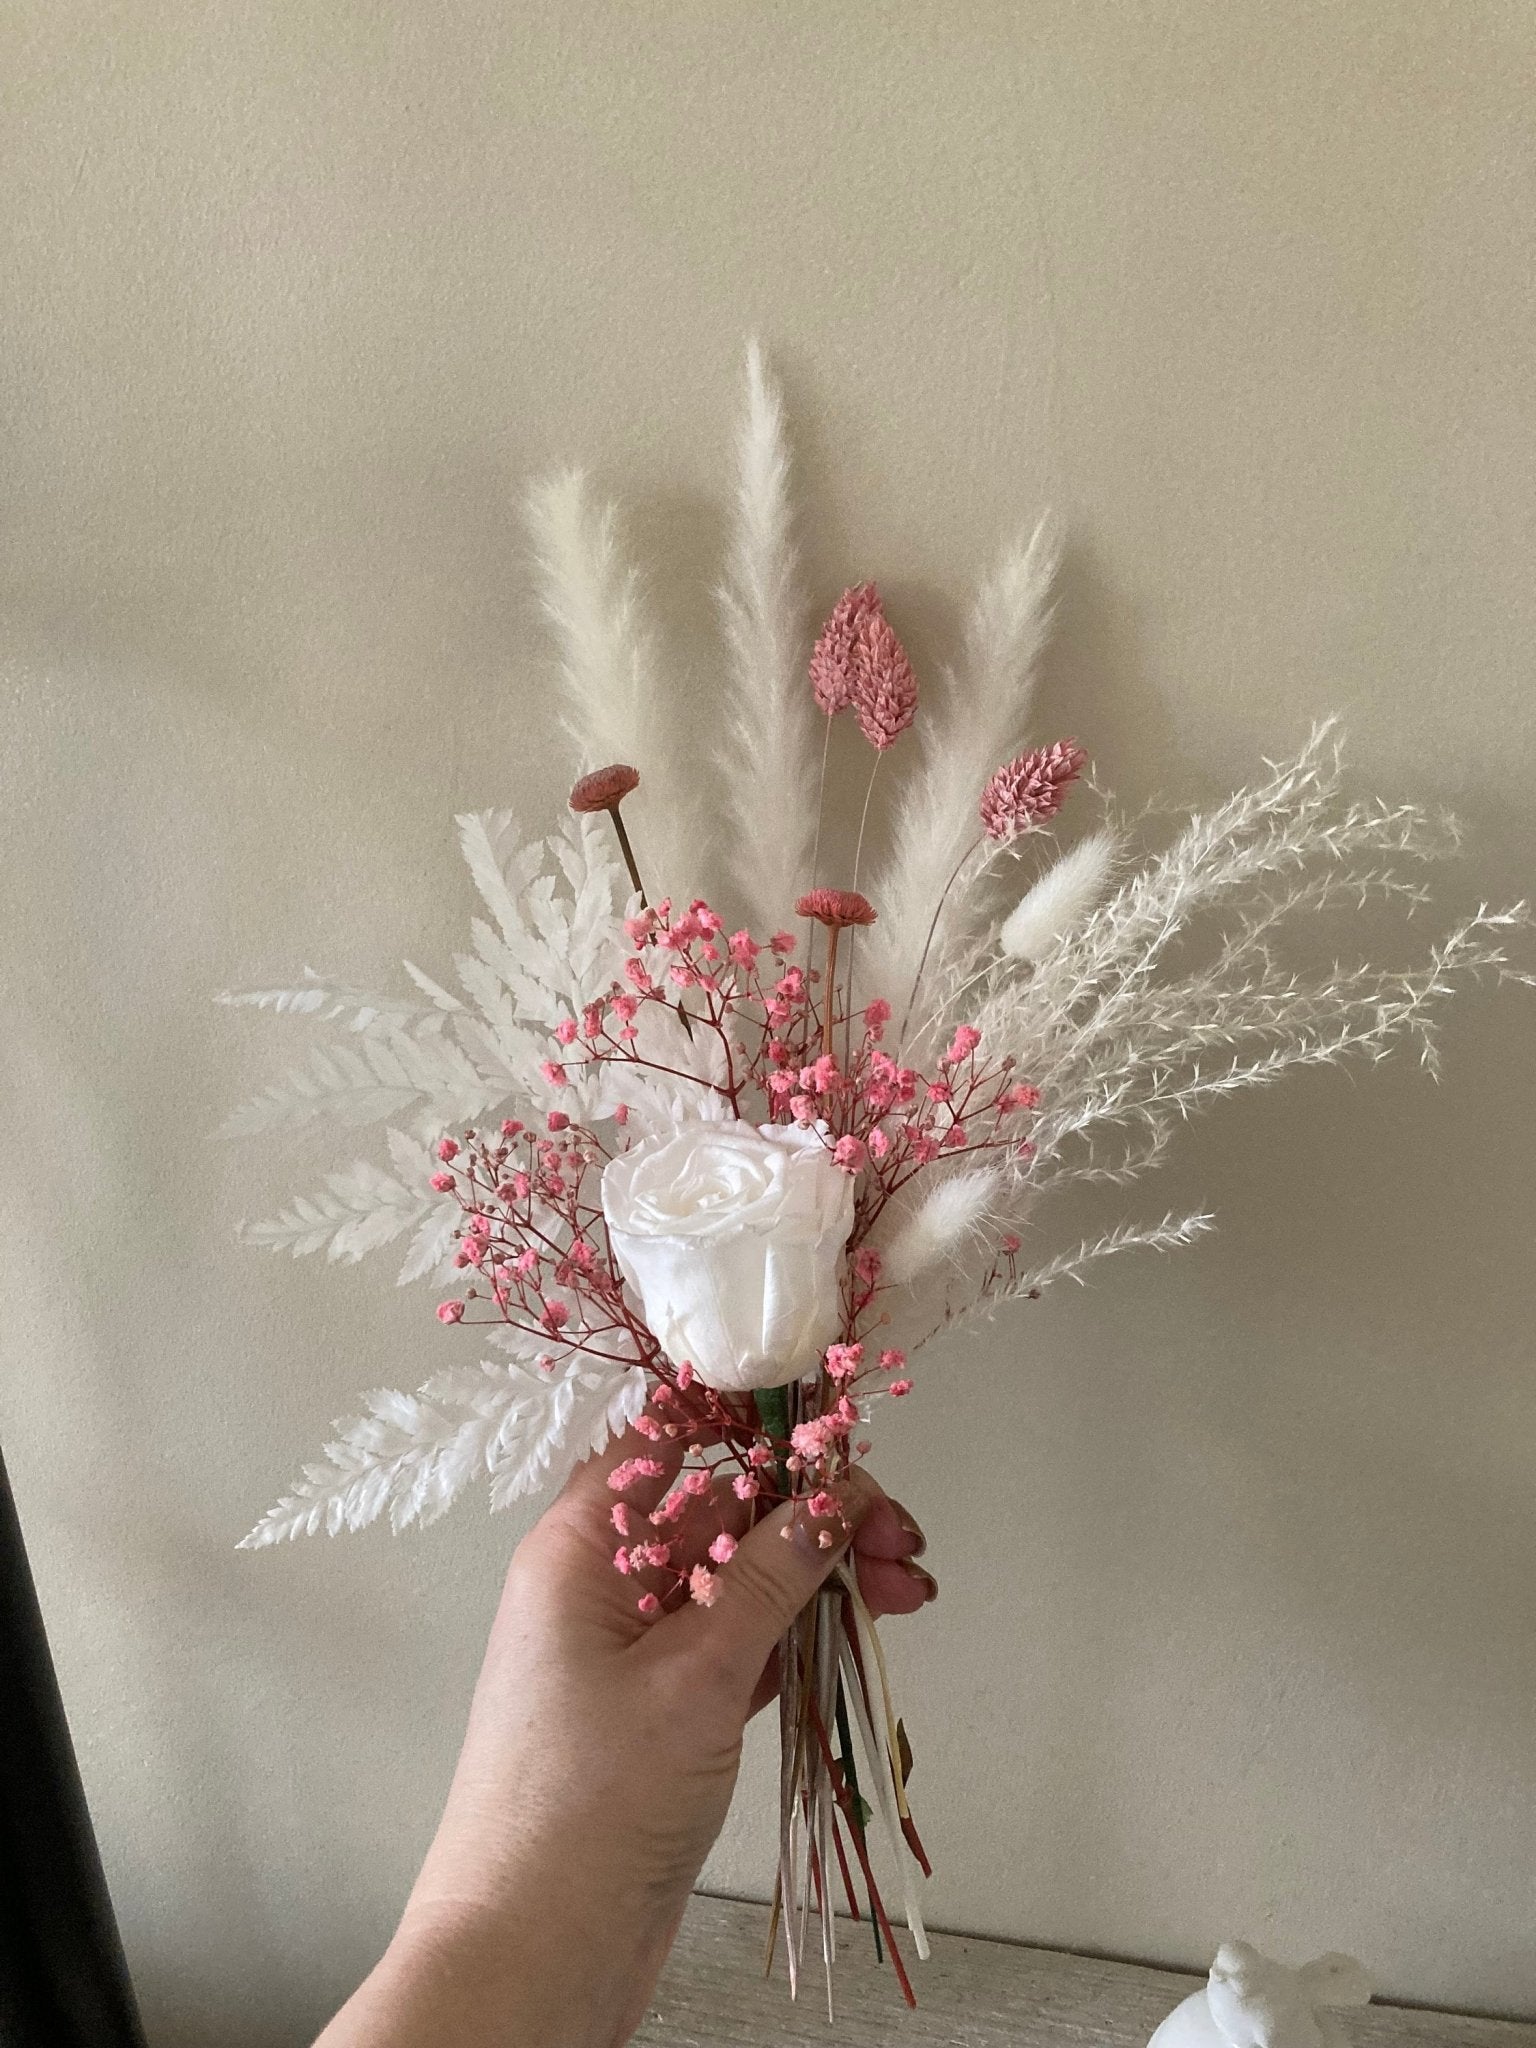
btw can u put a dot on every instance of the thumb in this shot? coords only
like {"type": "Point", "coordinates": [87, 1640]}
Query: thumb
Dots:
{"type": "Point", "coordinates": [779, 1566]}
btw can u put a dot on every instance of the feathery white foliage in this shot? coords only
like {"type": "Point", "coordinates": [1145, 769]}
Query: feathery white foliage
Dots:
{"type": "Point", "coordinates": [768, 754]}
{"type": "Point", "coordinates": [413, 1454]}
{"type": "Point", "coordinates": [1124, 1048]}
{"type": "Point", "coordinates": [1060, 899]}
{"type": "Point", "coordinates": [1169, 1235]}
{"type": "Point", "coordinates": [971, 722]}
{"type": "Point", "coordinates": [942, 1222]}
{"type": "Point", "coordinates": [557, 906]}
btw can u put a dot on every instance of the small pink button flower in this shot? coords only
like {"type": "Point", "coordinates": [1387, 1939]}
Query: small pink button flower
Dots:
{"type": "Point", "coordinates": [450, 1311]}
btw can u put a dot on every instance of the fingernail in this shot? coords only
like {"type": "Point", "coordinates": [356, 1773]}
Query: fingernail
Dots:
{"type": "Point", "coordinates": [911, 1528]}
{"type": "Point", "coordinates": [926, 1580]}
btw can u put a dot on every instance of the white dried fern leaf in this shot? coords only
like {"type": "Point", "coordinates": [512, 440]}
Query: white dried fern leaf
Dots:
{"type": "Point", "coordinates": [328, 1002]}
{"type": "Point", "coordinates": [357, 1211]}
{"type": "Point", "coordinates": [768, 760]}
{"type": "Point", "coordinates": [973, 721]}
{"type": "Point", "coordinates": [385, 1072]}
{"type": "Point", "coordinates": [562, 1422]}
{"type": "Point", "coordinates": [413, 1454]}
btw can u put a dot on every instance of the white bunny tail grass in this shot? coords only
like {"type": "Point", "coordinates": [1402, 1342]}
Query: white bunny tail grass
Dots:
{"type": "Point", "coordinates": [973, 721]}
{"type": "Point", "coordinates": [768, 761]}
{"type": "Point", "coordinates": [942, 1224]}
{"type": "Point", "coordinates": [1059, 901]}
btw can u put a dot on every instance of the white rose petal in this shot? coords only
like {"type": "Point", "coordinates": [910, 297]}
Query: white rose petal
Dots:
{"type": "Point", "coordinates": [732, 1236]}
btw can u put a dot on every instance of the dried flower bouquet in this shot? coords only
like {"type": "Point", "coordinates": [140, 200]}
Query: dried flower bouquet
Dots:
{"type": "Point", "coordinates": [719, 1182]}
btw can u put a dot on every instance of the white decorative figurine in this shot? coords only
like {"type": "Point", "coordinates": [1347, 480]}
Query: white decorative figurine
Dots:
{"type": "Point", "coordinates": [1251, 2002]}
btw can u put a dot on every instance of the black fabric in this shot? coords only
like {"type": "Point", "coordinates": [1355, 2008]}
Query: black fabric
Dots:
{"type": "Point", "coordinates": [63, 1979]}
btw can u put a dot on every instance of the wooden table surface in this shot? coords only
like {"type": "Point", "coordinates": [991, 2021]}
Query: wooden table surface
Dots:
{"type": "Point", "coordinates": [973, 1994]}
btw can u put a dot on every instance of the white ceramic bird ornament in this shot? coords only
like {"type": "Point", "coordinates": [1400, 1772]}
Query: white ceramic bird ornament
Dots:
{"type": "Point", "coordinates": [1251, 2002]}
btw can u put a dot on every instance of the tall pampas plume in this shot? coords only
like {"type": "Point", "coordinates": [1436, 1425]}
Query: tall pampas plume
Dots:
{"type": "Point", "coordinates": [591, 595]}
{"type": "Point", "coordinates": [1057, 903]}
{"type": "Point", "coordinates": [768, 759]}
{"type": "Point", "coordinates": [974, 720]}
{"type": "Point", "coordinates": [951, 1212]}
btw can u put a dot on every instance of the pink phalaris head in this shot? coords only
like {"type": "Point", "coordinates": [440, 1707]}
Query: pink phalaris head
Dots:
{"type": "Point", "coordinates": [836, 908]}
{"type": "Point", "coordinates": [884, 687]}
{"type": "Point", "coordinates": [1030, 790]}
{"type": "Point", "coordinates": [605, 788]}
{"type": "Point", "coordinates": [832, 658]}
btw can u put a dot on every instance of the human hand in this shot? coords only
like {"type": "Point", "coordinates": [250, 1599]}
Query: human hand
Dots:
{"type": "Point", "coordinates": [599, 1762]}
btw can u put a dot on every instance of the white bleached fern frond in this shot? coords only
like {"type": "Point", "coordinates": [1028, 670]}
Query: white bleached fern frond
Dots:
{"type": "Point", "coordinates": [438, 1064]}
{"type": "Point", "coordinates": [357, 1211]}
{"type": "Point", "coordinates": [329, 1001]}
{"type": "Point", "coordinates": [768, 756]}
{"type": "Point", "coordinates": [972, 722]}
{"type": "Point", "coordinates": [386, 1072]}
{"type": "Point", "coordinates": [413, 1454]}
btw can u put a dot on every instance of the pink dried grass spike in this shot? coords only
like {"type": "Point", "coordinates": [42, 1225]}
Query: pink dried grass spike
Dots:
{"type": "Point", "coordinates": [884, 687]}
{"type": "Point", "coordinates": [1030, 790]}
{"type": "Point", "coordinates": [832, 658]}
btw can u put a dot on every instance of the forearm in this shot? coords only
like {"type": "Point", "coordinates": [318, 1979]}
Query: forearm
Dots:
{"type": "Point", "coordinates": [472, 1980]}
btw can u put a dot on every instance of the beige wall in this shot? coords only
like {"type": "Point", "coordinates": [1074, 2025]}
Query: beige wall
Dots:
{"type": "Point", "coordinates": [1238, 1631]}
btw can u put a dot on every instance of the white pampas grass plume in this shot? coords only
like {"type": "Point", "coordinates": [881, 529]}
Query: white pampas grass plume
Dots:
{"type": "Point", "coordinates": [768, 760]}
{"type": "Point", "coordinates": [952, 1211]}
{"type": "Point", "coordinates": [590, 593]}
{"type": "Point", "coordinates": [973, 721]}
{"type": "Point", "coordinates": [1061, 899]}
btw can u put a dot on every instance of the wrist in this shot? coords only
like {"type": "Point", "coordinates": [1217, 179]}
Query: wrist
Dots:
{"type": "Point", "coordinates": [509, 1971]}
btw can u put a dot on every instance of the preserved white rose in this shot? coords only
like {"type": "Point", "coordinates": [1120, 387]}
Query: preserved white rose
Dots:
{"type": "Point", "coordinates": [732, 1235]}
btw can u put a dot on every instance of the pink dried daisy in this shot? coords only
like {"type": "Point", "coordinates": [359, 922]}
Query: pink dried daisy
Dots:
{"type": "Point", "coordinates": [605, 788]}
{"type": "Point", "coordinates": [835, 908]}
{"type": "Point", "coordinates": [832, 658]}
{"type": "Point", "coordinates": [1029, 791]}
